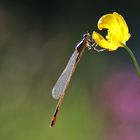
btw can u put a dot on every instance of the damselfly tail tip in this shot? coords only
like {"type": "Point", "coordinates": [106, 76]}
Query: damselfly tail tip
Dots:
{"type": "Point", "coordinates": [54, 117]}
{"type": "Point", "coordinates": [52, 122]}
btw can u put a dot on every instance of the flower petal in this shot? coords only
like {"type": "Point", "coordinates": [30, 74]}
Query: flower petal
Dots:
{"type": "Point", "coordinates": [125, 35]}
{"type": "Point", "coordinates": [107, 21]}
{"type": "Point", "coordinates": [100, 40]}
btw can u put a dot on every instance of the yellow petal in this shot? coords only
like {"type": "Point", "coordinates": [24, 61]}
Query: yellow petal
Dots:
{"type": "Point", "coordinates": [125, 35]}
{"type": "Point", "coordinates": [100, 40]}
{"type": "Point", "coordinates": [107, 21]}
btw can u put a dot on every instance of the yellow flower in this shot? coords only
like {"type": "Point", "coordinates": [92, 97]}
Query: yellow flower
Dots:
{"type": "Point", "coordinates": [117, 32]}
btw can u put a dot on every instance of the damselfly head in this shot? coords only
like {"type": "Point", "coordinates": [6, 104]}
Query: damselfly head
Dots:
{"type": "Point", "coordinates": [86, 35]}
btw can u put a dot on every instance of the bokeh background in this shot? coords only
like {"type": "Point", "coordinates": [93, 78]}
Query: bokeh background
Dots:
{"type": "Point", "coordinates": [37, 39]}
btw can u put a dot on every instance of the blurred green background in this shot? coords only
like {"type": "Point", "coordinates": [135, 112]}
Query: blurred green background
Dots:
{"type": "Point", "coordinates": [37, 39]}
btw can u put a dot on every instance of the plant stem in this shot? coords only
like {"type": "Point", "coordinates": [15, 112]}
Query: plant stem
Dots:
{"type": "Point", "coordinates": [133, 59]}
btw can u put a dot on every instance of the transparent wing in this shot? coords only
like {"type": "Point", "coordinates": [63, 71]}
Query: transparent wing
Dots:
{"type": "Point", "coordinates": [64, 79]}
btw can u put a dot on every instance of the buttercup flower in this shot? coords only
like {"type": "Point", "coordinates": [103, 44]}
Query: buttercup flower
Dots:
{"type": "Point", "coordinates": [117, 32]}
{"type": "Point", "coordinates": [117, 35]}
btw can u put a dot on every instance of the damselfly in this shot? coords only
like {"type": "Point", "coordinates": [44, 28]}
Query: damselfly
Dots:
{"type": "Point", "coordinates": [59, 89]}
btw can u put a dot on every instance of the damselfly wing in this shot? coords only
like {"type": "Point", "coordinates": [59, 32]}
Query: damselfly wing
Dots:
{"type": "Point", "coordinates": [59, 89]}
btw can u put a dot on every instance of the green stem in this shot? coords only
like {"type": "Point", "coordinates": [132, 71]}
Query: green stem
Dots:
{"type": "Point", "coordinates": [133, 59]}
